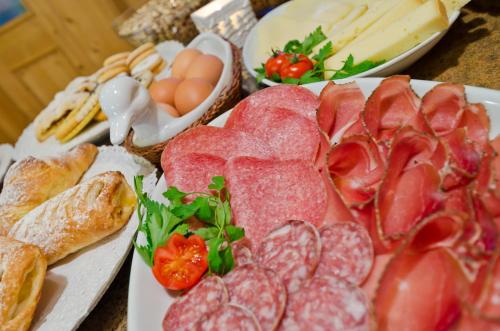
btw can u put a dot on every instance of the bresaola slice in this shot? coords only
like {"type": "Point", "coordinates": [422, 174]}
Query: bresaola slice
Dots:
{"type": "Point", "coordinates": [327, 304]}
{"type": "Point", "coordinates": [229, 317]}
{"type": "Point", "coordinates": [346, 252]}
{"type": "Point", "coordinates": [260, 291]}
{"type": "Point", "coordinates": [265, 194]}
{"type": "Point", "coordinates": [292, 97]}
{"type": "Point", "coordinates": [205, 298]}
{"type": "Point", "coordinates": [339, 114]}
{"type": "Point", "coordinates": [291, 136]}
{"type": "Point", "coordinates": [292, 251]}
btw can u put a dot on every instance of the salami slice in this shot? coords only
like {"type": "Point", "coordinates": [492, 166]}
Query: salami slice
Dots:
{"type": "Point", "coordinates": [266, 193]}
{"type": "Point", "coordinates": [260, 291]}
{"type": "Point", "coordinates": [204, 298]}
{"type": "Point", "coordinates": [193, 172]}
{"type": "Point", "coordinates": [229, 317]}
{"type": "Point", "coordinates": [328, 304]}
{"type": "Point", "coordinates": [292, 251]}
{"type": "Point", "coordinates": [292, 97]}
{"type": "Point", "coordinates": [241, 253]}
{"type": "Point", "coordinates": [291, 136]}
{"type": "Point", "coordinates": [346, 252]}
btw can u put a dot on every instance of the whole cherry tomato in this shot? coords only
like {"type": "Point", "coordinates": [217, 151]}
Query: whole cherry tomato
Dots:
{"type": "Point", "coordinates": [181, 262]}
{"type": "Point", "coordinates": [296, 66]}
{"type": "Point", "coordinates": [274, 63]}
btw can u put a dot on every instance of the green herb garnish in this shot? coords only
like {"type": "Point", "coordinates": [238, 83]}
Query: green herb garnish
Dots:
{"type": "Point", "coordinates": [350, 69]}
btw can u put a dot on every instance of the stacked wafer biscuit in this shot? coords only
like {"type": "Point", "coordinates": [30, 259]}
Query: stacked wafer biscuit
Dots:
{"type": "Point", "coordinates": [73, 109]}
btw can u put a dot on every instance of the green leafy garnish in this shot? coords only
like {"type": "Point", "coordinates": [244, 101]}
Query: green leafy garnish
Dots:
{"type": "Point", "coordinates": [306, 46]}
{"type": "Point", "coordinates": [159, 222]}
{"type": "Point", "coordinates": [350, 69]}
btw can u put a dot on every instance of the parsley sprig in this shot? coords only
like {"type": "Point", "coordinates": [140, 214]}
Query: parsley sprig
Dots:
{"type": "Point", "coordinates": [159, 221]}
{"type": "Point", "coordinates": [350, 69]}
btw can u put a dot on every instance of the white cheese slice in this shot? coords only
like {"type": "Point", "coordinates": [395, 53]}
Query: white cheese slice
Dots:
{"type": "Point", "coordinates": [325, 12]}
{"type": "Point", "coordinates": [375, 10]}
{"type": "Point", "coordinates": [453, 5]}
{"type": "Point", "coordinates": [403, 8]}
{"type": "Point", "coordinates": [396, 38]}
{"type": "Point", "coordinates": [353, 15]}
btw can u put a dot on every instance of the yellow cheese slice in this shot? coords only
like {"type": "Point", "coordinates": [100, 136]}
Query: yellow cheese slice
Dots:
{"type": "Point", "coordinates": [325, 12]}
{"type": "Point", "coordinates": [396, 38]}
{"type": "Point", "coordinates": [403, 8]}
{"type": "Point", "coordinates": [375, 10]}
{"type": "Point", "coordinates": [453, 5]}
{"type": "Point", "coordinates": [353, 15]}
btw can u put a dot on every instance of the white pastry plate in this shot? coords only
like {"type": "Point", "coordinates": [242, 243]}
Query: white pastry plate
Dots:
{"type": "Point", "coordinates": [75, 285]}
{"type": "Point", "coordinates": [6, 151]}
{"type": "Point", "coordinates": [148, 300]}
{"type": "Point", "coordinates": [252, 60]}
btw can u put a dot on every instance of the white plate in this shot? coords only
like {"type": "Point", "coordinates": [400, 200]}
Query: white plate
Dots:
{"type": "Point", "coordinates": [74, 285]}
{"type": "Point", "coordinates": [148, 300]}
{"type": "Point", "coordinates": [391, 67]}
{"type": "Point", "coordinates": [6, 151]}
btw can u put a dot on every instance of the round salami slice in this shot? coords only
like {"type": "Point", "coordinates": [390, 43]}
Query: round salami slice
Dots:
{"type": "Point", "coordinates": [229, 317]}
{"type": "Point", "coordinates": [241, 253]}
{"type": "Point", "coordinates": [328, 304]}
{"type": "Point", "coordinates": [293, 251]}
{"type": "Point", "coordinates": [204, 298]}
{"type": "Point", "coordinates": [259, 290]}
{"type": "Point", "coordinates": [346, 252]}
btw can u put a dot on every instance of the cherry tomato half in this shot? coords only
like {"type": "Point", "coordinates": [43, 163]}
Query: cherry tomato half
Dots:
{"type": "Point", "coordinates": [274, 63]}
{"type": "Point", "coordinates": [181, 262]}
{"type": "Point", "coordinates": [296, 66]}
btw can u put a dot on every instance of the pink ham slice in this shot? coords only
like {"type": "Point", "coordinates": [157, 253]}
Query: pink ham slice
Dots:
{"type": "Point", "coordinates": [292, 251]}
{"type": "Point", "coordinates": [356, 168]}
{"type": "Point", "coordinates": [292, 97]}
{"type": "Point", "coordinates": [339, 114]}
{"type": "Point", "coordinates": [392, 105]}
{"type": "Point", "coordinates": [260, 291]}
{"type": "Point", "coordinates": [477, 122]}
{"type": "Point", "coordinates": [193, 172]}
{"type": "Point", "coordinates": [327, 303]}
{"type": "Point", "coordinates": [487, 184]}
{"type": "Point", "coordinates": [346, 252]}
{"type": "Point", "coordinates": [443, 107]}
{"type": "Point", "coordinates": [229, 317]}
{"type": "Point", "coordinates": [291, 136]}
{"type": "Point", "coordinates": [265, 194]}
{"type": "Point", "coordinates": [221, 142]}
{"type": "Point", "coordinates": [204, 299]}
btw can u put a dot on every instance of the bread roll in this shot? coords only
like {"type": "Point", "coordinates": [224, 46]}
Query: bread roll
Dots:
{"type": "Point", "coordinates": [22, 271]}
{"type": "Point", "coordinates": [30, 182]}
{"type": "Point", "coordinates": [78, 217]}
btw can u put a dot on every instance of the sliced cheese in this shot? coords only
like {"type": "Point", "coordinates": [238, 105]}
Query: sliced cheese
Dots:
{"type": "Point", "coordinates": [403, 8]}
{"type": "Point", "coordinates": [325, 12]}
{"type": "Point", "coordinates": [353, 15]}
{"type": "Point", "coordinates": [396, 38]}
{"type": "Point", "coordinates": [341, 37]}
{"type": "Point", "coordinates": [454, 5]}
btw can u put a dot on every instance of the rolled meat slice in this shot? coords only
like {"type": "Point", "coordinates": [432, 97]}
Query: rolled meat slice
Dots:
{"type": "Point", "coordinates": [327, 304]}
{"type": "Point", "coordinates": [346, 252]}
{"type": "Point", "coordinates": [204, 298]}
{"type": "Point", "coordinates": [293, 251]}
{"type": "Point", "coordinates": [260, 291]}
{"type": "Point", "coordinates": [229, 317]}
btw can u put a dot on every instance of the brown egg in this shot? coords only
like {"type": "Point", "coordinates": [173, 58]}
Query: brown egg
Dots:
{"type": "Point", "coordinates": [169, 109]}
{"type": "Point", "coordinates": [183, 61]}
{"type": "Point", "coordinates": [207, 67]}
{"type": "Point", "coordinates": [163, 91]}
{"type": "Point", "coordinates": [190, 93]}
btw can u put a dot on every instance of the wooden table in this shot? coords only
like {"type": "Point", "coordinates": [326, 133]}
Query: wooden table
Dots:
{"type": "Point", "coordinates": [468, 54]}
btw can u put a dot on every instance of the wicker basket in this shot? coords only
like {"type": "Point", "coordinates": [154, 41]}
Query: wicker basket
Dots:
{"type": "Point", "coordinates": [226, 100]}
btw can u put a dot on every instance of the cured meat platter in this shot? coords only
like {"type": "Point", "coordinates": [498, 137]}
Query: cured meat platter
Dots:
{"type": "Point", "coordinates": [384, 217]}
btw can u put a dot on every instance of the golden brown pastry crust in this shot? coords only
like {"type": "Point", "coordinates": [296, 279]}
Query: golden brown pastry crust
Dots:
{"type": "Point", "coordinates": [22, 272]}
{"type": "Point", "coordinates": [78, 217]}
{"type": "Point", "coordinates": [30, 182]}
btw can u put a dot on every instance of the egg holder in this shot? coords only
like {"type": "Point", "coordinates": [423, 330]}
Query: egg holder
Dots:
{"type": "Point", "coordinates": [226, 99]}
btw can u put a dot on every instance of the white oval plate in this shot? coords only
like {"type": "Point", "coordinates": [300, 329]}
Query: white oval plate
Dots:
{"type": "Point", "coordinates": [74, 285]}
{"type": "Point", "coordinates": [394, 66]}
{"type": "Point", "coordinates": [148, 300]}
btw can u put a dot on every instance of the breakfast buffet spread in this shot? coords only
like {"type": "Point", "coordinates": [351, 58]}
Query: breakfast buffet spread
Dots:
{"type": "Point", "coordinates": [322, 202]}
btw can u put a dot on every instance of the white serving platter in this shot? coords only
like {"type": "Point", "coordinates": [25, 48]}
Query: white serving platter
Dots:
{"type": "Point", "coordinates": [148, 300]}
{"type": "Point", "coordinates": [74, 285]}
{"type": "Point", "coordinates": [394, 66]}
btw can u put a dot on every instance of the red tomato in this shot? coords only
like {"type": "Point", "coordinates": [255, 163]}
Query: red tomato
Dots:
{"type": "Point", "coordinates": [181, 262]}
{"type": "Point", "coordinates": [274, 63]}
{"type": "Point", "coordinates": [297, 66]}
